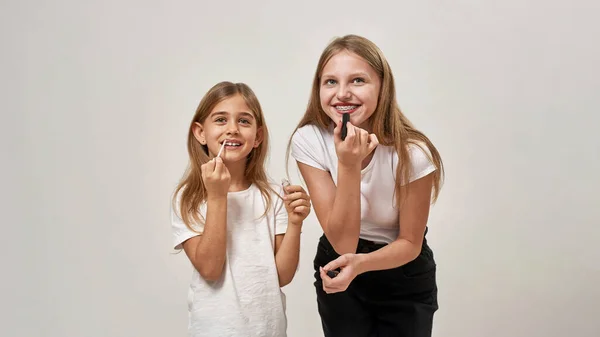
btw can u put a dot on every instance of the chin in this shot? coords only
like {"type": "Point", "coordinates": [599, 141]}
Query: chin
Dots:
{"type": "Point", "coordinates": [235, 157]}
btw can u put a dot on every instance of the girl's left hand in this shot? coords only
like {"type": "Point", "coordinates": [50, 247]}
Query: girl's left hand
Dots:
{"type": "Point", "coordinates": [349, 265]}
{"type": "Point", "coordinates": [297, 204]}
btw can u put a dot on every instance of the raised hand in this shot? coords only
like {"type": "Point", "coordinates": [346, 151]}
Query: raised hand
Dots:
{"type": "Point", "coordinates": [357, 145]}
{"type": "Point", "coordinates": [297, 204]}
{"type": "Point", "coordinates": [216, 177]}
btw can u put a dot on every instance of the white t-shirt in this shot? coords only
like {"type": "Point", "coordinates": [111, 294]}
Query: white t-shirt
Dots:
{"type": "Point", "coordinates": [247, 300]}
{"type": "Point", "coordinates": [315, 147]}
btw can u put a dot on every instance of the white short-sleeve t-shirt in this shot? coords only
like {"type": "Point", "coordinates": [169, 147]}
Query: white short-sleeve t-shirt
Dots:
{"type": "Point", "coordinates": [314, 146]}
{"type": "Point", "coordinates": [247, 300]}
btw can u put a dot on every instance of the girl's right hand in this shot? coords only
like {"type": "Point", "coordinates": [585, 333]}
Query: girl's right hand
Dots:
{"type": "Point", "coordinates": [357, 145]}
{"type": "Point", "coordinates": [216, 177]}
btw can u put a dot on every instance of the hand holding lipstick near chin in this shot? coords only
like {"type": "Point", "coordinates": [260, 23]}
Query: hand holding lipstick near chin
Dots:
{"type": "Point", "coordinates": [357, 145]}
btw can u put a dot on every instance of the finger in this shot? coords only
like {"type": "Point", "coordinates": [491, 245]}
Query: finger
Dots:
{"type": "Point", "coordinates": [373, 142]}
{"type": "Point", "coordinates": [298, 203]}
{"type": "Point", "coordinates": [294, 188]}
{"type": "Point", "coordinates": [297, 195]}
{"type": "Point", "coordinates": [330, 286]}
{"type": "Point", "coordinates": [332, 291]}
{"type": "Point", "coordinates": [364, 137]}
{"type": "Point", "coordinates": [210, 166]}
{"type": "Point", "coordinates": [351, 135]}
{"type": "Point", "coordinates": [341, 261]}
{"type": "Point", "coordinates": [218, 161]}
{"type": "Point", "coordinates": [339, 283]}
{"type": "Point", "coordinates": [323, 275]}
{"type": "Point", "coordinates": [327, 281]}
{"type": "Point", "coordinates": [303, 210]}
{"type": "Point", "coordinates": [303, 201]}
{"type": "Point", "coordinates": [337, 131]}
{"type": "Point", "coordinates": [203, 172]}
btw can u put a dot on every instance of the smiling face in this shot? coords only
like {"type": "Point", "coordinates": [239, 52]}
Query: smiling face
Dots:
{"type": "Point", "coordinates": [232, 123]}
{"type": "Point", "coordinates": [349, 85]}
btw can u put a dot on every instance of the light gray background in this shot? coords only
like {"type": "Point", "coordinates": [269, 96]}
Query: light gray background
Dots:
{"type": "Point", "coordinates": [97, 96]}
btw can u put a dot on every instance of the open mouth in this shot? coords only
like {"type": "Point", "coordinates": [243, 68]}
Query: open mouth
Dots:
{"type": "Point", "coordinates": [346, 108]}
{"type": "Point", "coordinates": [232, 143]}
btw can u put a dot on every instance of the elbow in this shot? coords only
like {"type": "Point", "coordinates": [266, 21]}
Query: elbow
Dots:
{"type": "Point", "coordinates": [342, 248]}
{"type": "Point", "coordinates": [210, 273]}
{"type": "Point", "coordinates": [343, 242]}
{"type": "Point", "coordinates": [416, 253]}
{"type": "Point", "coordinates": [284, 282]}
{"type": "Point", "coordinates": [286, 275]}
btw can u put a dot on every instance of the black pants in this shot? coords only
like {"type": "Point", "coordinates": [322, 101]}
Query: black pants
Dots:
{"type": "Point", "coordinates": [396, 302]}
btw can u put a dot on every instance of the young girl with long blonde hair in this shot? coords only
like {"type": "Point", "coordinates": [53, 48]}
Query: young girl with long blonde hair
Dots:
{"type": "Point", "coordinates": [240, 232]}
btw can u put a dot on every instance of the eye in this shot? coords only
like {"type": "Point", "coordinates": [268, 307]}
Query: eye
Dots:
{"type": "Point", "coordinates": [220, 120]}
{"type": "Point", "coordinates": [329, 82]}
{"type": "Point", "coordinates": [245, 121]}
{"type": "Point", "coordinates": [359, 80]}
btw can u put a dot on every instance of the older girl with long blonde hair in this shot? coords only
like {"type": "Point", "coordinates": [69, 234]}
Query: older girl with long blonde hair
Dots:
{"type": "Point", "coordinates": [371, 190]}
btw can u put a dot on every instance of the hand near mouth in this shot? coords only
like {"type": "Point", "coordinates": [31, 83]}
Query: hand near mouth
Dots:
{"type": "Point", "coordinates": [216, 177]}
{"type": "Point", "coordinates": [357, 145]}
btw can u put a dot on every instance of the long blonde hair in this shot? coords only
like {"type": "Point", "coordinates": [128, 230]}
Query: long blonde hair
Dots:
{"type": "Point", "coordinates": [191, 190]}
{"type": "Point", "coordinates": [388, 122]}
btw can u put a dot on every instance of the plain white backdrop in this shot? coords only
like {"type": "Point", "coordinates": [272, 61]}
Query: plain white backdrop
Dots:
{"type": "Point", "coordinates": [96, 101]}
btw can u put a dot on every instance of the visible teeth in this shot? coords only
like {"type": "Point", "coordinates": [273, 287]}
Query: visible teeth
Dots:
{"type": "Point", "coordinates": [346, 107]}
{"type": "Point", "coordinates": [232, 144]}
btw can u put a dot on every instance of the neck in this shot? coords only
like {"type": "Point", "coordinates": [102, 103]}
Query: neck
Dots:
{"type": "Point", "coordinates": [239, 181]}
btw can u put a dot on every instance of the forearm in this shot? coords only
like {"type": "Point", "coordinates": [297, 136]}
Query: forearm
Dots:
{"type": "Point", "coordinates": [393, 255]}
{"type": "Point", "coordinates": [210, 252]}
{"type": "Point", "coordinates": [343, 223]}
{"type": "Point", "coordinates": [286, 259]}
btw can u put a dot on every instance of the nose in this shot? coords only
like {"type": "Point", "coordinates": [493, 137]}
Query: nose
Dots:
{"type": "Point", "coordinates": [232, 128]}
{"type": "Point", "coordinates": [343, 93]}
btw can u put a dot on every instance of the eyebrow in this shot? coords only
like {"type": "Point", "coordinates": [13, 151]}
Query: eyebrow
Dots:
{"type": "Point", "coordinates": [225, 113]}
{"type": "Point", "coordinates": [354, 74]}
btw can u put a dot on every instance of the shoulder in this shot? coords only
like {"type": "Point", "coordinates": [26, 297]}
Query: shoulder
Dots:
{"type": "Point", "coordinates": [276, 189]}
{"type": "Point", "coordinates": [418, 149]}
{"type": "Point", "coordinates": [421, 161]}
{"type": "Point", "coordinates": [312, 145]}
{"type": "Point", "coordinates": [274, 204]}
{"type": "Point", "coordinates": [311, 134]}
{"type": "Point", "coordinates": [176, 203]}
{"type": "Point", "coordinates": [181, 230]}
{"type": "Point", "coordinates": [417, 152]}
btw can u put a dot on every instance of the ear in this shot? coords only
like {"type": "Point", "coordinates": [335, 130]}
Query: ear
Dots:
{"type": "Point", "coordinates": [198, 131]}
{"type": "Point", "coordinates": [259, 137]}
